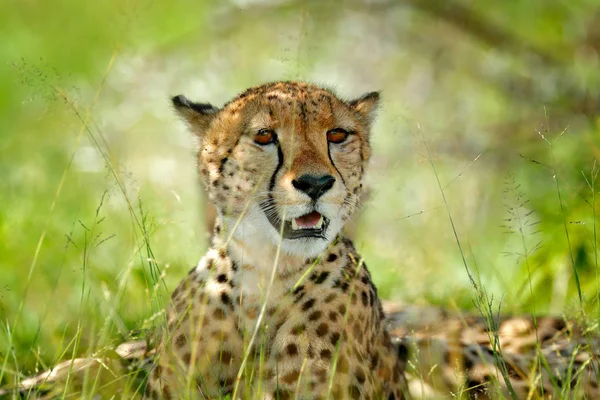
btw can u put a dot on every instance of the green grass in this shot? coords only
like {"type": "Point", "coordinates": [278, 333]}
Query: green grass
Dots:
{"type": "Point", "coordinates": [101, 213]}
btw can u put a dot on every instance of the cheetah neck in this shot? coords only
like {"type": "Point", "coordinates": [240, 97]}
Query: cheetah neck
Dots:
{"type": "Point", "coordinates": [246, 249]}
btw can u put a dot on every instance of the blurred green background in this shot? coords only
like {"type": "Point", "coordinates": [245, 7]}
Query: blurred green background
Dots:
{"type": "Point", "coordinates": [98, 187]}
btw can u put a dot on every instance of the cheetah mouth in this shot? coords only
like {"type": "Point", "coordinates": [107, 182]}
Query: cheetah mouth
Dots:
{"type": "Point", "coordinates": [310, 221]}
{"type": "Point", "coordinates": [311, 225]}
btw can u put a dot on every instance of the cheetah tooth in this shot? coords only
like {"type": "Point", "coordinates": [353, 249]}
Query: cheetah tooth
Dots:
{"type": "Point", "coordinates": [294, 224]}
{"type": "Point", "coordinates": [319, 224]}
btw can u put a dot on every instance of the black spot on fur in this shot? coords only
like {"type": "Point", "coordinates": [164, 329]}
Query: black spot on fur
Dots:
{"type": "Point", "coordinates": [374, 360]}
{"type": "Point", "coordinates": [546, 336]}
{"type": "Point", "coordinates": [354, 392]}
{"type": "Point", "coordinates": [298, 289]}
{"type": "Point", "coordinates": [333, 316]}
{"type": "Point", "coordinates": [180, 341]}
{"type": "Point", "coordinates": [335, 337]}
{"type": "Point", "coordinates": [360, 375]}
{"type": "Point", "coordinates": [222, 166]}
{"type": "Point", "coordinates": [364, 298]}
{"type": "Point", "coordinates": [322, 330]}
{"type": "Point", "coordinates": [322, 277]}
{"type": "Point", "coordinates": [225, 299]}
{"type": "Point", "coordinates": [291, 349]}
{"type": "Point", "coordinates": [315, 315]}
{"type": "Point", "coordinates": [298, 293]}
{"type": "Point", "coordinates": [298, 329]}
{"type": "Point", "coordinates": [308, 304]}
{"type": "Point", "coordinates": [299, 297]}
{"type": "Point", "coordinates": [330, 297]}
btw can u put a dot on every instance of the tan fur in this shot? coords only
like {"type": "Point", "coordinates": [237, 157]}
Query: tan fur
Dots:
{"type": "Point", "coordinates": [452, 352]}
{"type": "Point", "coordinates": [316, 330]}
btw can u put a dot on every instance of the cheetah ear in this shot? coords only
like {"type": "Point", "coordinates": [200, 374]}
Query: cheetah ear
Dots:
{"type": "Point", "coordinates": [197, 115]}
{"type": "Point", "coordinates": [366, 106]}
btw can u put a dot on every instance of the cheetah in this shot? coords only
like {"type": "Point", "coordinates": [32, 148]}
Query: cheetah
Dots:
{"type": "Point", "coordinates": [282, 305]}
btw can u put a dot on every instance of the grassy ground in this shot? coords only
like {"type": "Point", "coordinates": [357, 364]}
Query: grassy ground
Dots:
{"type": "Point", "coordinates": [483, 160]}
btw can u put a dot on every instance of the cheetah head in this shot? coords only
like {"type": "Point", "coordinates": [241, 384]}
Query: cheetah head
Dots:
{"type": "Point", "coordinates": [283, 162]}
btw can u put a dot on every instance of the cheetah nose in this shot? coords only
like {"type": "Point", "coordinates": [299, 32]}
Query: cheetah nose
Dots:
{"type": "Point", "coordinates": [314, 185]}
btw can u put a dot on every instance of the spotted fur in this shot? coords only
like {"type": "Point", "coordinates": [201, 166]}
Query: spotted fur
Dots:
{"type": "Point", "coordinates": [267, 313]}
{"type": "Point", "coordinates": [494, 358]}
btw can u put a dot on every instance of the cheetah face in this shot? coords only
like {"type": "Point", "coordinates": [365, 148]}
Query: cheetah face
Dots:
{"type": "Point", "coordinates": [283, 162]}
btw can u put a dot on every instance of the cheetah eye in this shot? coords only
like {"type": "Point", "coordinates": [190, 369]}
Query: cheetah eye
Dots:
{"type": "Point", "coordinates": [337, 135]}
{"type": "Point", "coordinates": [265, 137]}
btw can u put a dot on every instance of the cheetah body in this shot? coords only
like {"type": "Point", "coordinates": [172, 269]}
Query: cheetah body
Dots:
{"type": "Point", "coordinates": [273, 311]}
